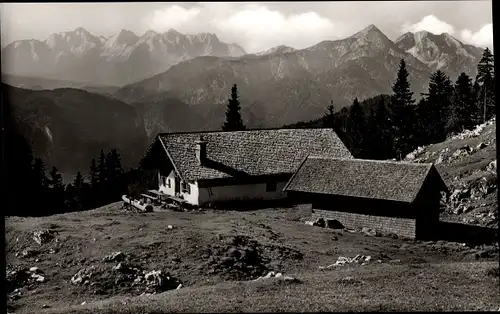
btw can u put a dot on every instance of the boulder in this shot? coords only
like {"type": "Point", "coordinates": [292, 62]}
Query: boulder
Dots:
{"type": "Point", "coordinates": [114, 257]}
{"type": "Point", "coordinates": [492, 166]}
{"type": "Point", "coordinates": [481, 146]}
{"type": "Point", "coordinates": [369, 232]}
{"type": "Point", "coordinates": [43, 236]}
{"type": "Point", "coordinates": [320, 223]}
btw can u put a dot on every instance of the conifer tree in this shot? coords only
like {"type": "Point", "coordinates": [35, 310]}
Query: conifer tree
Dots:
{"type": "Point", "coordinates": [462, 107]}
{"type": "Point", "coordinates": [400, 110]}
{"type": "Point", "coordinates": [434, 109]}
{"type": "Point", "coordinates": [78, 185]}
{"type": "Point", "coordinates": [94, 174]}
{"type": "Point", "coordinates": [330, 116]}
{"type": "Point", "coordinates": [115, 178]}
{"type": "Point", "coordinates": [485, 79]}
{"type": "Point", "coordinates": [102, 168]}
{"type": "Point", "coordinates": [56, 191]}
{"type": "Point", "coordinates": [233, 116]}
{"type": "Point", "coordinates": [378, 138]}
{"type": "Point", "coordinates": [355, 127]}
{"type": "Point", "coordinates": [40, 185]}
{"type": "Point", "coordinates": [39, 174]}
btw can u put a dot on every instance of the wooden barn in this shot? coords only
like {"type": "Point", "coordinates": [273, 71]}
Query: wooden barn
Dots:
{"type": "Point", "coordinates": [391, 197]}
{"type": "Point", "coordinates": [223, 166]}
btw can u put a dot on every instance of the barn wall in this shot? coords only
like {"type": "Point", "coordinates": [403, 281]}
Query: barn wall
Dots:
{"type": "Point", "coordinates": [193, 196]}
{"type": "Point", "coordinates": [381, 215]}
{"type": "Point", "coordinates": [164, 187]}
{"type": "Point", "coordinates": [427, 206]}
{"type": "Point", "coordinates": [256, 191]}
{"type": "Point", "coordinates": [405, 227]}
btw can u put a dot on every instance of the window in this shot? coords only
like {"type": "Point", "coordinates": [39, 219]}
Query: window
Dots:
{"type": "Point", "coordinates": [271, 187]}
{"type": "Point", "coordinates": [168, 183]}
{"type": "Point", "coordinates": [186, 188]}
{"type": "Point", "coordinates": [164, 181]}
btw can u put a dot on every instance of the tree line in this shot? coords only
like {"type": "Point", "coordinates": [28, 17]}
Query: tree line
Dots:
{"type": "Point", "coordinates": [41, 192]}
{"type": "Point", "coordinates": [391, 126]}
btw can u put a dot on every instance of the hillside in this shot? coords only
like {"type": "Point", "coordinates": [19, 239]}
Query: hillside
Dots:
{"type": "Point", "coordinates": [108, 261]}
{"type": "Point", "coordinates": [467, 162]}
{"type": "Point", "coordinates": [280, 88]}
{"type": "Point", "coordinates": [36, 83]}
{"type": "Point", "coordinates": [68, 127]}
{"type": "Point", "coordinates": [120, 59]}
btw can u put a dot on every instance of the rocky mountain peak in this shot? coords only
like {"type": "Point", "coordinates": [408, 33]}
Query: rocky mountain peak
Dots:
{"type": "Point", "coordinates": [150, 33]}
{"type": "Point", "coordinates": [124, 37]}
{"type": "Point", "coordinates": [173, 32]}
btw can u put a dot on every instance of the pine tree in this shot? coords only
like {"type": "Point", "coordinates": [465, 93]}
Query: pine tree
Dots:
{"type": "Point", "coordinates": [329, 118]}
{"type": "Point", "coordinates": [462, 106]}
{"type": "Point", "coordinates": [115, 178]}
{"type": "Point", "coordinates": [41, 183]}
{"type": "Point", "coordinates": [379, 137]}
{"type": "Point", "coordinates": [94, 174]}
{"type": "Point", "coordinates": [102, 169]}
{"type": "Point", "coordinates": [485, 79]}
{"type": "Point", "coordinates": [435, 107]}
{"type": "Point", "coordinates": [57, 196]}
{"type": "Point", "coordinates": [70, 202]}
{"type": "Point", "coordinates": [355, 127]}
{"type": "Point", "coordinates": [93, 189]}
{"type": "Point", "coordinates": [78, 185]}
{"type": "Point", "coordinates": [400, 110]}
{"type": "Point", "coordinates": [233, 116]}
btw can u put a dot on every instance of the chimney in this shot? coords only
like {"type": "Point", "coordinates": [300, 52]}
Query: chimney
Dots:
{"type": "Point", "coordinates": [201, 151]}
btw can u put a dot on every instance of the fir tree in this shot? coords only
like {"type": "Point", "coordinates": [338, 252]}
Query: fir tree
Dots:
{"type": "Point", "coordinates": [378, 138]}
{"type": "Point", "coordinates": [102, 169]}
{"type": "Point", "coordinates": [115, 178]}
{"type": "Point", "coordinates": [93, 193]}
{"type": "Point", "coordinates": [70, 203]}
{"type": "Point", "coordinates": [355, 127]}
{"type": "Point", "coordinates": [433, 112]}
{"type": "Point", "coordinates": [233, 116]}
{"type": "Point", "coordinates": [400, 110]}
{"type": "Point", "coordinates": [485, 79]}
{"type": "Point", "coordinates": [39, 175]}
{"type": "Point", "coordinates": [462, 106]}
{"type": "Point", "coordinates": [40, 185]}
{"type": "Point", "coordinates": [329, 118]}
{"type": "Point", "coordinates": [78, 185]}
{"type": "Point", "coordinates": [94, 174]}
{"type": "Point", "coordinates": [56, 191]}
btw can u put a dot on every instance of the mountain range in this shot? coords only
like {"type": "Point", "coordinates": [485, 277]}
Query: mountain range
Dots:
{"type": "Point", "coordinates": [188, 80]}
{"type": "Point", "coordinates": [283, 87]}
{"type": "Point", "coordinates": [120, 59]}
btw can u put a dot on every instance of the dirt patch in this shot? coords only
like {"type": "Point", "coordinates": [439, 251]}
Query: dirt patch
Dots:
{"type": "Point", "coordinates": [242, 258]}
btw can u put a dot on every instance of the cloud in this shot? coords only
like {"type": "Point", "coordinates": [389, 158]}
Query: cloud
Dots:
{"type": "Point", "coordinates": [482, 38]}
{"type": "Point", "coordinates": [253, 25]}
{"type": "Point", "coordinates": [263, 27]}
{"type": "Point", "coordinates": [431, 24]}
{"type": "Point", "coordinates": [174, 16]}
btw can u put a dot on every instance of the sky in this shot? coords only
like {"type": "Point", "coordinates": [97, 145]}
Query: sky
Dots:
{"type": "Point", "coordinates": [256, 26]}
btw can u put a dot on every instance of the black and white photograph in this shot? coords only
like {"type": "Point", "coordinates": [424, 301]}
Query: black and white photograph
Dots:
{"type": "Point", "coordinates": [188, 157]}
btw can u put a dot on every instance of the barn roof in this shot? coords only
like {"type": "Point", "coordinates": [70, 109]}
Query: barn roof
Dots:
{"type": "Point", "coordinates": [375, 179]}
{"type": "Point", "coordinates": [251, 152]}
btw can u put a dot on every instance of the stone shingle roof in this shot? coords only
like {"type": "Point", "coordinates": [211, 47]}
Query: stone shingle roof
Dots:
{"type": "Point", "coordinates": [373, 179]}
{"type": "Point", "coordinates": [252, 152]}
